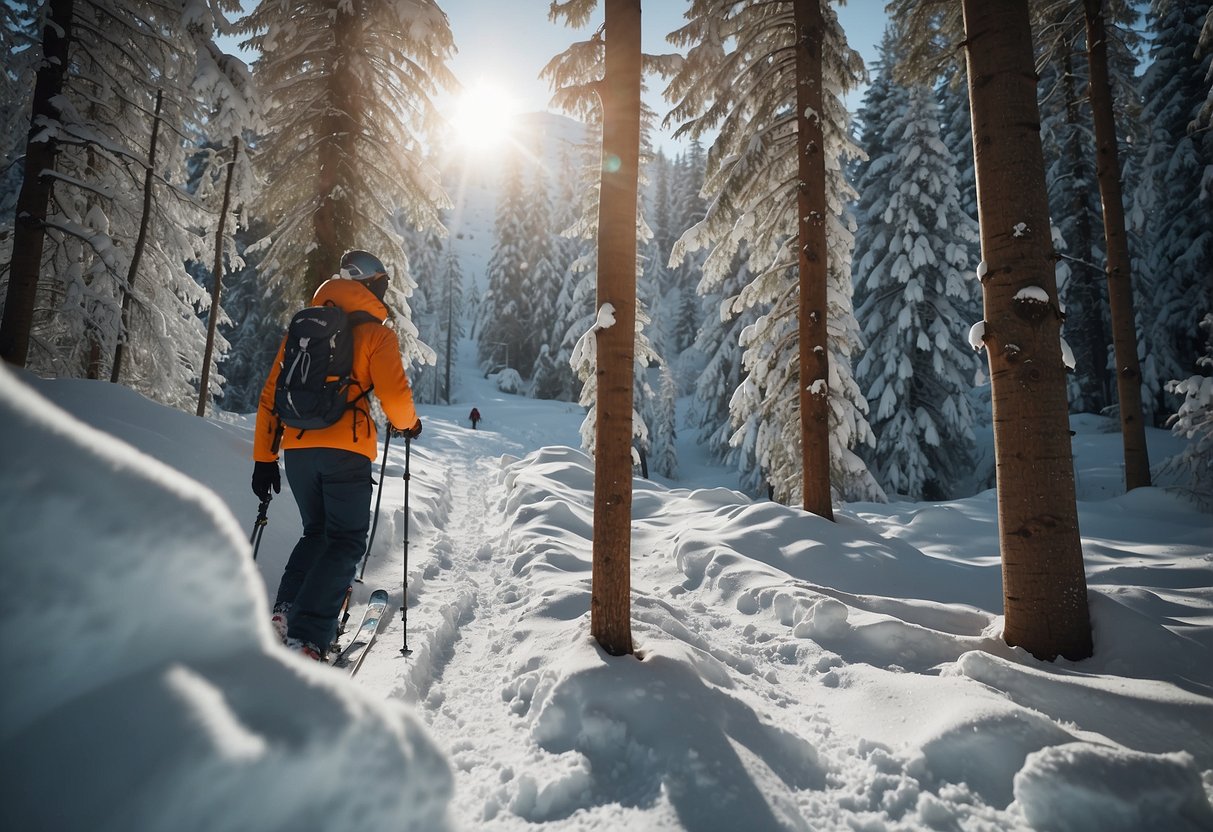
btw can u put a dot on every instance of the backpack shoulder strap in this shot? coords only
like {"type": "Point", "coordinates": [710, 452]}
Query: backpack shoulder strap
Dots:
{"type": "Point", "coordinates": [356, 318]}
{"type": "Point", "coordinates": [361, 316]}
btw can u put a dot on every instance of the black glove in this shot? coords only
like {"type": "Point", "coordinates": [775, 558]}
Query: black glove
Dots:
{"type": "Point", "coordinates": [408, 433]}
{"type": "Point", "coordinates": [266, 476]}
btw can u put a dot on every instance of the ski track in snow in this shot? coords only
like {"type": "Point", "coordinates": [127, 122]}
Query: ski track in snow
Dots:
{"type": "Point", "coordinates": [468, 612]}
{"type": "Point", "coordinates": [461, 582]}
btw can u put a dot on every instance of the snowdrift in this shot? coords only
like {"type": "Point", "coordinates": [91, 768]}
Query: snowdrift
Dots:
{"type": "Point", "coordinates": [147, 692]}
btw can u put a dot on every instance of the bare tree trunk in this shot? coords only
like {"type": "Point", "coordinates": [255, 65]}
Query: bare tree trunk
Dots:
{"type": "Point", "coordinates": [1044, 586]}
{"type": "Point", "coordinates": [333, 222]}
{"type": "Point", "coordinates": [93, 358]}
{"type": "Point", "coordinates": [1120, 292]}
{"type": "Point", "coordinates": [92, 368]}
{"type": "Point", "coordinates": [140, 243]}
{"type": "Point", "coordinates": [29, 230]}
{"type": "Point", "coordinates": [610, 605]}
{"type": "Point", "coordinates": [212, 323]}
{"type": "Point", "coordinates": [812, 260]}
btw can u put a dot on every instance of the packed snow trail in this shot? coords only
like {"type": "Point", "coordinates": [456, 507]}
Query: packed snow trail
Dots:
{"type": "Point", "coordinates": [465, 618]}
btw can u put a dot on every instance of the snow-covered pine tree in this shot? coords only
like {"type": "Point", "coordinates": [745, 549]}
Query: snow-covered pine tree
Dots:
{"type": "Point", "coordinates": [1175, 223]}
{"type": "Point", "coordinates": [739, 75]}
{"type": "Point", "coordinates": [18, 40]}
{"type": "Point", "coordinates": [665, 427]}
{"type": "Point", "coordinates": [654, 291]}
{"type": "Point", "coordinates": [915, 275]}
{"type": "Point", "coordinates": [660, 210]}
{"type": "Point", "coordinates": [448, 307]}
{"type": "Point", "coordinates": [958, 136]}
{"type": "Point", "coordinates": [1194, 421]}
{"type": "Point", "coordinates": [89, 216]}
{"type": "Point", "coordinates": [544, 275]}
{"type": "Point", "coordinates": [349, 88]}
{"type": "Point", "coordinates": [576, 221]}
{"type": "Point", "coordinates": [1203, 123]}
{"type": "Point", "coordinates": [688, 208]}
{"type": "Point", "coordinates": [505, 311]}
{"type": "Point", "coordinates": [662, 297]}
{"type": "Point", "coordinates": [884, 98]}
{"type": "Point", "coordinates": [719, 341]}
{"type": "Point", "coordinates": [257, 316]}
{"type": "Point", "coordinates": [425, 252]}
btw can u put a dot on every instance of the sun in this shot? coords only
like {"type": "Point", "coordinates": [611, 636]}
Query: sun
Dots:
{"type": "Point", "coordinates": [483, 118]}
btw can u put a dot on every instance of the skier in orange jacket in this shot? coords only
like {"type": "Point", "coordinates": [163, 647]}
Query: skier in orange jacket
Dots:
{"type": "Point", "coordinates": [329, 468]}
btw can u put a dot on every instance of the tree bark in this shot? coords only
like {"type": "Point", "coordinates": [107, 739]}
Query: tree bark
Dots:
{"type": "Point", "coordinates": [149, 178]}
{"type": "Point", "coordinates": [610, 605]}
{"type": "Point", "coordinates": [41, 148]}
{"type": "Point", "coordinates": [333, 221]}
{"type": "Point", "coordinates": [1044, 586]}
{"type": "Point", "coordinates": [812, 260]}
{"type": "Point", "coordinates": [1119, 269]}
{"type": "Point", "coordinates": [212, 323]}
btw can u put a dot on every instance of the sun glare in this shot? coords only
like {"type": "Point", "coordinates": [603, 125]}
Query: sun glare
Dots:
{"type": "Point", "coordinates": [483, 118]}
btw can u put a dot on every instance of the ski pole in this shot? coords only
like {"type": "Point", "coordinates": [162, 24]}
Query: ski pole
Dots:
{"type": "Point", "coordinates": [387, 439]}
{"type": "Point", "coordinates": [259, 524]}
{"type": "Point", "coordinates": [404, 598]}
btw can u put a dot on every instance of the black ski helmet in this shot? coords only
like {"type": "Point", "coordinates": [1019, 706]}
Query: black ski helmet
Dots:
{"type": "Point", "coordinates": [361, 265]}
{"type": "Point", "coordinates": [367, 269]}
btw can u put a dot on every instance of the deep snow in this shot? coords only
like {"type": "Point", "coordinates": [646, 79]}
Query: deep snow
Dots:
{"type": "Point", "coordinates": [792, 673]}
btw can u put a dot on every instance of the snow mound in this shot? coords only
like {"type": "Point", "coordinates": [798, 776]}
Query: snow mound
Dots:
{"type": "Point", "coordinates": [156, 697]}
{"type": "Point", "coordinates": [659, 730]}
{"type": "Point", "coordinates": [1080, 786]}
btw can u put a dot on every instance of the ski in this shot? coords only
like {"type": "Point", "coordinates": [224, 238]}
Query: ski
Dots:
{"type": "Point", "coordinates": [351, 657]}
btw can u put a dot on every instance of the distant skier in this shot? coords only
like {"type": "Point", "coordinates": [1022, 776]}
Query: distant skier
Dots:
{"type": "Point", "coordinates": [329, 467]}
{"type": "Point", "coordinates": [474, 416]}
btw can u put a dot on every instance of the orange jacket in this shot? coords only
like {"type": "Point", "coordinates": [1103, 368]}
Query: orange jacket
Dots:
{"type": "Point", "coordinates": [376, 361]}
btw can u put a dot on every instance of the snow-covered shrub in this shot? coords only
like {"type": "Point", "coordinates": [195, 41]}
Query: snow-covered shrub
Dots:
{"type": "Point", "coordinates": [508, 381]}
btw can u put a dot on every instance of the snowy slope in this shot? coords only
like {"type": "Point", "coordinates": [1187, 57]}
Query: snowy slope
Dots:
{"type": "Point", "coordinates": [791, 673]}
